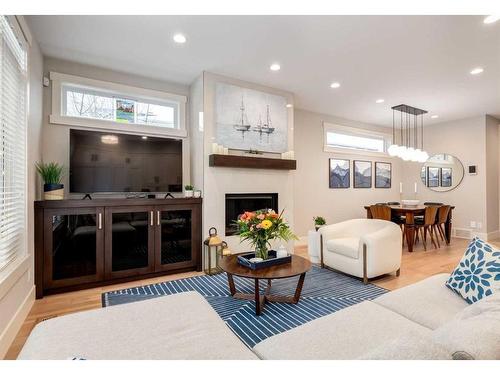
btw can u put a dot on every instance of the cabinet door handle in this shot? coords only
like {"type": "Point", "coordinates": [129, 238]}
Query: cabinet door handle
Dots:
{"type": "Point", "coordinates": [99, 220]}
{"type": "Point", "coordinates": [152, 218]}
{"type": "Point", "coordinates": [158, 217]}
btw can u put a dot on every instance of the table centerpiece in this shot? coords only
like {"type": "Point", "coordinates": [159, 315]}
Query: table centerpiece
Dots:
{"type": "Point", "coordinates": [260, 227]}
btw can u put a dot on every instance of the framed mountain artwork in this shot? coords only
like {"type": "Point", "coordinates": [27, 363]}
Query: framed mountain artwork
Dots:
{"type": "Point", "coordinates": [340, 174]}
{"type": "Point", "coordinates": [362, 174]}
{"type": "Point", "coordinates": [383, 175]}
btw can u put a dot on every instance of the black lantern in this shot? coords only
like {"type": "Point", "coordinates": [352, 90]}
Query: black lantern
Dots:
{"type": "Point", "coordinates": [213, 247]}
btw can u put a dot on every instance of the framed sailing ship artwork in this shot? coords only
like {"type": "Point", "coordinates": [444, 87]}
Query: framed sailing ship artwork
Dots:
{"type": "Point", "coordinates": [250, 120]}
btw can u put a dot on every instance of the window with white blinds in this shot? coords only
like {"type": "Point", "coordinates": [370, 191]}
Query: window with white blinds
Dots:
{"type": "Point", "coordinates": [13, 125]}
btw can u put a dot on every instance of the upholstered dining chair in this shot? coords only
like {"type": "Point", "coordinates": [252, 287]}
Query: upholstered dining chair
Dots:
{"type": "Point", "coordinates": [426, 224]}
{"type": "Point", "coordinates": [441, 218]}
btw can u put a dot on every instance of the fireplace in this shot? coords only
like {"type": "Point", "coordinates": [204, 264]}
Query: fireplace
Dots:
{"type": "Point", "coordinates": [236, 204]}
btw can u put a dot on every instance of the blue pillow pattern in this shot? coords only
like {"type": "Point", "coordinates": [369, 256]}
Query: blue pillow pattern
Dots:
{"type": "Point", "coordinates": [478, 273]}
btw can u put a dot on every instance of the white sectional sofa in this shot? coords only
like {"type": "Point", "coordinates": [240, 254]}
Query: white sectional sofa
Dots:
{"type": "Point", "coordinates": [371, 328]}
{"type": "Point", "coordinates": [421, 321]}
{"type": "Point", "coordinates": [179, 326]}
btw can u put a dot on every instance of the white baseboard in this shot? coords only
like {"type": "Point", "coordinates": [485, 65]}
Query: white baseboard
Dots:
{"type": "Point", "coordinates": [468, 234]}
{"type": "Point", "coordinates": [9, 334]}
{"type": "Point", "coordinates": [493, 235]}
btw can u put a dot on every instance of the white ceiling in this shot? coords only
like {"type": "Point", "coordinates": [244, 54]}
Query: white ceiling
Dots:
{"type": "Point", "coordinates": [423, 61]}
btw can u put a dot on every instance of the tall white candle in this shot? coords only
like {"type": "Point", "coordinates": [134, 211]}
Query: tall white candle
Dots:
{"type": "Point", "coordinates": [415, 188]}
{"type": "Point", "coordinates": [400, 188]}
{"type": "Point", "coordinates": [215, 148]}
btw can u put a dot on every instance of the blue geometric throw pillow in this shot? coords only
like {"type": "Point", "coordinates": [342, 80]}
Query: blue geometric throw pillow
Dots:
{"type": "Point", "coordinates": [478, 273]}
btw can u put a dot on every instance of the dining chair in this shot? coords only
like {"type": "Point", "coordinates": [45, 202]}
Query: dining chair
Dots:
{"type": "Point", "coordinates": [384, 212]}
{"type": "Point", "coordinates": [426, 225]}
{"type": "Point", "coordinates": [441, 219]}
{"type": "Point", "coordinates": [380, 211]}
{"type": "Point", "coordinates": [398, 219]}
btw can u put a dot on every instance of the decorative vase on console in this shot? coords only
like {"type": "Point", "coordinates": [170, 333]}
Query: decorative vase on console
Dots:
{"type": "Point", "coordinates": [261, 227]}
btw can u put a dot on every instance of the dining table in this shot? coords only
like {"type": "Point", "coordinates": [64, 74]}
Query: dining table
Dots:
{"type": "Point", "coordinates": [409, 213]}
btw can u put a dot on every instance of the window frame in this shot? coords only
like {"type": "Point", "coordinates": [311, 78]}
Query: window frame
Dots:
{"type": "Point", "coordinates": [59, 80]}
{"type": "Point", "coordinates": [347, 130]}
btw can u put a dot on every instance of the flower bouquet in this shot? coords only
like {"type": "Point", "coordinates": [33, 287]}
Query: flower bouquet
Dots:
{"type": "Point", "coordinates": [262, 226]}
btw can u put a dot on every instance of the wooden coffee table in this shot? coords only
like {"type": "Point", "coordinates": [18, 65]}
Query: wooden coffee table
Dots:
{"type": "Point", "coordinates": [298, 266]}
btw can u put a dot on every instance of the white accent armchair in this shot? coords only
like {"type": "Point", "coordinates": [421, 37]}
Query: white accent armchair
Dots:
{"type": "Point", "coordinates": [364, 248]}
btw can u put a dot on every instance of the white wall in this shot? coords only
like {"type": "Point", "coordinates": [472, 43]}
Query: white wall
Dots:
{"type": "Point", "coordinates": [17, 290]}
{"type": "Point", "coordinates": [492, 176]}
{"type": "Point", "coordinates": [196, 132]}
{"type": "Point", "coordinates": [219, 181]}
{"type": "Point", "coordinates": [312, 195]}
{"type": "Point", "coordinates": [465, 139]}
{"type": "Point", "coordinates": [56, 137]}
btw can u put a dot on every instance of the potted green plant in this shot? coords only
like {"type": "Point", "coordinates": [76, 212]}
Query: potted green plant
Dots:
{"type": "Point", "coordinates": [188, 191]}
{"type": "Point", "coordinates": [319, 221]}
{"type": "Point", "coordinates": [262, 226]}
{"type": "Point", "coordinates": [51, 174]}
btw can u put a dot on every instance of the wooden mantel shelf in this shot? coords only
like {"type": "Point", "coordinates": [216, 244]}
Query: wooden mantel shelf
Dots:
{"type": "Point", "coordinates": [236, 161]}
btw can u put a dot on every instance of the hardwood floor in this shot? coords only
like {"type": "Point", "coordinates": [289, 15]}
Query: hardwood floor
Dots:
{"type": "Point", "coordinates": [416, 266]}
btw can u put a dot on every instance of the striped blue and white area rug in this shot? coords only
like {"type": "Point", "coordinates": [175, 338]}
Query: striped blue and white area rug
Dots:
{"type": "Point", "coordinates": [324, 292]}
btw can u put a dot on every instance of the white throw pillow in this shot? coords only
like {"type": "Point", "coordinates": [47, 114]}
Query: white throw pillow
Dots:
{"type": "Point", "coordinates": [475, 330]}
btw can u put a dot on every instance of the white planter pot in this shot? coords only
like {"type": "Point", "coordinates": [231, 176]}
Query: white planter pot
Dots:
{"type": "Point", "coordinates": [188, 193]}
{"type": "Point", "coordinates": [314, 246]}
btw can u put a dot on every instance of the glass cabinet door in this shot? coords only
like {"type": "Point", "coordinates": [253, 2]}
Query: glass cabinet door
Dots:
{"type": "Point", "coordinates": [175, 240]}
{"type": "Point", "coordinates": [74, 246]}
{"type": "Point", "coordinates": [129, 241]}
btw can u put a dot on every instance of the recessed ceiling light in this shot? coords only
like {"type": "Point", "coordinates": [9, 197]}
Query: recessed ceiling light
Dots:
{"type": "Point", "coordinates": [434, 116]}
{"type": "Point", "coordinates": [378, 101]}
{"type": "Point", "coordinates": [275, 67]}
{"type": "Point", "coordinates": [179, 38]}
{"type": "Point", "coordinates": [289, 105]}
{"type": "Point", "coordinates": [476, 71]}
{"type": "Point", "coordinates": [335, 85]}
{"type": "Point", "coordinates": [491, 19]}
{"type": "Point", "coordinates": [144, 137]}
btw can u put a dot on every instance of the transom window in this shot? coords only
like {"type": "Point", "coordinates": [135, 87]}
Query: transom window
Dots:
{"type": "Point", "coordinates": [89, 103]}
{"type": "Point", "coordinates": [86, 102]}
{"type": "Point", "coordinates": [342, 138]}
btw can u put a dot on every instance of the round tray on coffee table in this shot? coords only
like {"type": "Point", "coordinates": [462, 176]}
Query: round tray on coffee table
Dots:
{"type": "Point", "coordinates": [298, 266]}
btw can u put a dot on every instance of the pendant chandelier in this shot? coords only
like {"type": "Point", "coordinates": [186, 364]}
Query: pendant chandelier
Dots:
{"type": "Point", "coordinates": [408, 137]}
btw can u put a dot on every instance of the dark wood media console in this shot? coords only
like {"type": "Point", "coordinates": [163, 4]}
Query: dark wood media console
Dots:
{"type": "Point", "coordinates": [86, 243]}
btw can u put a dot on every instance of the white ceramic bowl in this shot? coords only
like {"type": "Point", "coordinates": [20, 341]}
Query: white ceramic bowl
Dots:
{"type": "Point", "coordinates": [410, 202]}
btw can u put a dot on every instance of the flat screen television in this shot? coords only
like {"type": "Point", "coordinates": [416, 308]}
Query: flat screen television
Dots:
{"type": "Point", "coordinates": [123, 163]}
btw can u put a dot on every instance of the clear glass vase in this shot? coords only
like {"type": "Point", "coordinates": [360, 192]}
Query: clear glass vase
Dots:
{"type": "Point", "coordinates": [261, 250]}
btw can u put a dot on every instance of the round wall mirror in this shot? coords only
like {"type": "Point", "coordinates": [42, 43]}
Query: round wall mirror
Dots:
{"type": "Point", "coordinates": [442, 172]}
